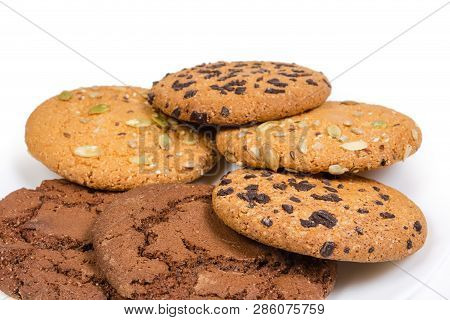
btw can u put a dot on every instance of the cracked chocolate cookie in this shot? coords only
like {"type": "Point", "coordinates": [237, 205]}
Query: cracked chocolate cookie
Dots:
{"type": "Point", "coordinates": [165, 242]}
{"type": "Point", "coordinates": [232, 93]}
{"type": "Point", "coordinates": [109, 138]}
{"type": "Point", "coordinates": [348, 218]}
{"type": "Point", "coordinates": [337, 137]}
{"type": "Point", "coordinates": [45, 243]}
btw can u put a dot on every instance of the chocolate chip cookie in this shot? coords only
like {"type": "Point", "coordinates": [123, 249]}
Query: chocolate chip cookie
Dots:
{"type": "Point", "coordinates": [110, 138]}
{"type": "Point", "coordinates": [232, 93]}
{"type": "Point", "coordinates": [337, 137]}
{"type": "Point", "coordinates": [348, 218]}
{"type": "Point", "coordinates": [164, 242]}
{"type": "Point", "coordinates": [45, 243]}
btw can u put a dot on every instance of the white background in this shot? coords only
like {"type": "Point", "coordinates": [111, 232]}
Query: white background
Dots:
{"type": "Point", "coordinates": [139, 41]}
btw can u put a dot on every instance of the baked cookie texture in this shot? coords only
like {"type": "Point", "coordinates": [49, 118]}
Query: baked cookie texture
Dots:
{"type": "Point", "coordinates": [232, 93]}
{"type": "Point", "coordinates": [349, 218]}
{"type": "Point", "coordinates": [46, 243]}
{"type": "Point", "coordinates": [164, 242]}
{"type": "Point", "coordinates": [110, 138]}
{"type": "Point", "coordinates": [337, 137]}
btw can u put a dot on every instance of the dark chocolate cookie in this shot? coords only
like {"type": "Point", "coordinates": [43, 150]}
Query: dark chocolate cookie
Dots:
{"type": "Point", "coordinates": [45, 243]}
{"type": "Point", "coordinates": [232, 93]}
{"type": "Point", "coordinates": [164, 242]}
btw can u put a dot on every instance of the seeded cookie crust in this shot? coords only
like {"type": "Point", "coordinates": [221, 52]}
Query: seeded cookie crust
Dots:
{"type": "Point", "coordinates": [110, 138]}
{"type": "Point", "coordinates": [232, 93]}
{"type": "Point", "coordinates": [348, 218]}
{"type": "Point", "coordinates": [337, 137]}
{"type": "Point", "coordinates": [46, 246]}
{"type": "Point", "coordinates": [164, 242]}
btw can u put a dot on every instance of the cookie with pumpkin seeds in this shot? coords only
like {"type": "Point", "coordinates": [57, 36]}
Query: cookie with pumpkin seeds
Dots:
{"type": "Point", "coordinates": [110, 138]}
{"type": "Point", "coordinates": [337, 137]}
{"type": "Point", "coordinates": [347, 218]}
{"type": "Point", "coordinates": [233, 93]}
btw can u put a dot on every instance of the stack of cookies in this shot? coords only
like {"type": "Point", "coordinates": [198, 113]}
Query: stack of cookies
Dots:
{"type": "Point", "coordinates": [126, 225]}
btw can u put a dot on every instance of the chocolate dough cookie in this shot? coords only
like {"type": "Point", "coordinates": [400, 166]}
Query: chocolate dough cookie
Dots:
{"type": "Point", "coordinates": [45, 243]}
{"type": "Point", "coordinates": [232, 93]}
{"type": "Point", "coordinates": [348, 218]}
{"type": "Point", "coordinates": [164, 242]}
{"type": "Point", "coordinates": [109, 138]}
{"type": "Point", "coordinates": [337, 137]}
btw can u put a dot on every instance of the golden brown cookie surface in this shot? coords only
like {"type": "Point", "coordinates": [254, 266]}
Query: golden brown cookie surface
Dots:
{"type": "Point", "coordinates": [336, 137]}
{"type": "Point", "coordinates": [109, 138]}
{"type": "Point", "coordinates": [347, 218]}
{"type": "Point", "coordinates": [231, 93]}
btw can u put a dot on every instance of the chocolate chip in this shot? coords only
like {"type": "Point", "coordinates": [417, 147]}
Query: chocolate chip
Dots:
{"type": "Point", "coordinates": [346, 250]}
{"type": "Point", "coordinates": [289, 75]}
{"type": "Point", "coordinates": [346, 207]}
{"type": "Point", "coordinates": [262, 198]}
{"type": "Point", "coordinates": [417, 226]}
{"type": "Point", "coordinates": [363, 211]}
{"type": "Point", "coordinates": [294, 199]}
{"type": "Point", "coordinates": [326, 82]}
{"type": "Point", "coordinates": [236, 83]}
{"type": "Point", "coordinates": [150, 97]}
{"type": "Point", "coordinates": [190, 94]}
{"type": "Point", "coordinates": [177, 85]}
{"type": "Point", "coordinates": [311, 82]}
{"type": "Point", "coordinates": [330, 189]}
{"type": "Point", "coordinates": [371, 249]}
{"type": "Point", "coordinates": [302, 185]}
{"type": "Point", "coordinates": [277, 83]}
{"type": "Point", "coordinates": [224, 112]}
{"type": "Point", "coordinates": [266, 173]}
{"type": "Point", "coordinates": [176, 113]}
{"type": "Point", "coordinates": [362, 190]}
{"type": "Point", "coordinates": [259, 79]}
{"type": "Point", "coordinates": [340, 186]}
{"type": "Point", "coordinates": [249, 176]}
{"type": "Point", "coordinates": [322, 217]}
{"type": "Point", "coordinates": [327, 249]}
{"type": "Point", "coordinates": [376, 189]}
{"type": "Point", "coordinates": [256, 86]}
{"type": "Point", "coordinates": [385, 197]}
{"type": "Point", "coordinates": [252, 187]}
{"type": "Point", "coordinates": [387, 215]}
{"type": "Point", "coordinates": [409, 244]}
{"type": "Point", "coordinates": [378, 202]}
{"type": "Point", "coordinates": [267, 222]}
{"type": "Point", "coordinates": [383, 162]}
{"type": "Point", "coordinates": [292, 155]}
{"type": "Point", "coordinates": [199, 117]}
{"type": "Point", "coordinates": [288, 208]}
{"type": "Point", "coordinates": [225, 192]}
{"type": "Point", "coordinates": [240, 90]}
{"type": "Point", "coordinates": [359, 230]}
{"type": "Point", "coordinates": [274, 91]}
{"type": "Point", "coordinates": [224, 182]}
{"type": "Point", "coordinates": [280, 186]}
{"type": "Point", "coordinates": [67, 135]}
{"type": "Point", "coordinates": [332, 197]}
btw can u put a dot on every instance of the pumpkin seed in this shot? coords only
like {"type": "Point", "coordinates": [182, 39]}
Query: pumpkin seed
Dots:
{"type": "Point", "coordinates": [190, 139]}
{"type": "Point", "coordinates": [271, 158]}
{"type": "Point", "coordinates": [334, 131]}
{"type": "Point", "coordinates": [164, 141]}
{"type": "Point", "coordinates": [357, 131]}
{"type": "Point", "coordinates": [379, 124]}
{"type": "Point", "coordinates": [376, 139]}
{"type": "Point", "coordinates": [138, 123]}
{"type": "Point", "coordinates": [188, 164]}
{"type": "Point", "coordinates": [160, 120]}
{"type": "Point", "coordinates": [316, 123]}
{"type": "Point", "coordinates": [355, 145]}
{"type": "Point", "coordinates": [301, 124]}
{"type": "Point", "coordinates": [343, 139]}
{"type": "Point", "coordinates": [337, 169]}
{"type": "Point", "coordinates": [140, 160]}
{"type": "Point", "coordinates": [265, 126]}
{"type": "Point", "coordinates": [99, 108]}
{"type": "Point", "coordinates": [94, 94]}
{"type": "Point", "coordinates": [348, 123]}
{"type": "Point", "coordinates": [317, 146]}
{"type": "Point", "coordinates": [358, 113]}
{"type": "Point", "coordinates": [303, 147]}
{"type": "Point", "coordinates": [65, 95]}
{"type": "Point", "coordinates": [87, 151]}
{"type": "Point", "coordinates": [415, 134]}
{"type": "Point", "coordinates": [408, 151]}
{"type": "Point", "coordinates": [254, 151]}
{"type": "Point", "coordinates": [132, 143]}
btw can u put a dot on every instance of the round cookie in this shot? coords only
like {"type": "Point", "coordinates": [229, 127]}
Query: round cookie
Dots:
{"type": "Point", "coordinates": [232, 93]}
{"type": "Point", "coordinates": [348, 218]}
{"type": "Point", "coordinates": [164, 242]}
{"type": "Point", "coordinates": [45, 243]}
{"type": "Point", "coordinates": [109, 138]}
{"type": "Point", "coordinates": [337, 137]}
